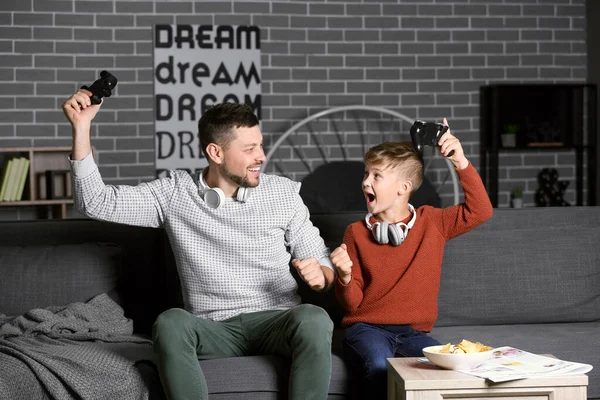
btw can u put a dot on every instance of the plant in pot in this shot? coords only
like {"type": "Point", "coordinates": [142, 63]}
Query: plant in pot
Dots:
{"type": "Point", "coordinates": [509, 135]}
{"type": "Point", "coordinates": [516, 197]}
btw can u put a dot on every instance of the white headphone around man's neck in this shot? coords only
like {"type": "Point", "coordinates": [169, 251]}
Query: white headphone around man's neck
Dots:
{"type": "Point", "coordinates": [214, 197]}
{"type": "Point", "coordinates": [385, 233]}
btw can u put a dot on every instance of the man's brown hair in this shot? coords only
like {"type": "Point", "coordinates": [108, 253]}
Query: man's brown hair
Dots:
{"type": "Point", "coordinates": [398, 155]}
{"type": "Point", "coordinates": [218, 123]}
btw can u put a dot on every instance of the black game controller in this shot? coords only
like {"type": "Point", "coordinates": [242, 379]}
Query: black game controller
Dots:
{"type": "Point", "coordinates": [101, 87]}
{"type": "Point", "coordinates": [427, 134]}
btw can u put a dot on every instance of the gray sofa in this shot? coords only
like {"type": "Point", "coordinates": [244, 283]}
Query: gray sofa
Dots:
{"type": "Point", "coordinates": [527, 278]}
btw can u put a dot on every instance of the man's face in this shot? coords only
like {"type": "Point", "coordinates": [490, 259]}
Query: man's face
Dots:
{"type": "Point", "coordinates": [244, 157]}
{"type": "Point", "coordinates": [381, 185]}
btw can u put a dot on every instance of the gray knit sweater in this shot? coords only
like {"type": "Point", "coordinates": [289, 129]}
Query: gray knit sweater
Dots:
{"type": "Point", "coordinates": [231, 260]}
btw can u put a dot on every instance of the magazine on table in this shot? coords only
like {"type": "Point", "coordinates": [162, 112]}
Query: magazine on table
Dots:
{"type": "Point", "coordinates": [509, 363]}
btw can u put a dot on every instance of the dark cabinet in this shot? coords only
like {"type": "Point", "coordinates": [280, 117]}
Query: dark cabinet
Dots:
{"type": "Point", "coordinates": [542, 117]}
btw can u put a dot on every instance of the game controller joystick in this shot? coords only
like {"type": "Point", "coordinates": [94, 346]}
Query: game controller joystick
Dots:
{"type": "Point", "coordinates": [102, 87]}
{"type": "Point", "coordinates": [427, 134]}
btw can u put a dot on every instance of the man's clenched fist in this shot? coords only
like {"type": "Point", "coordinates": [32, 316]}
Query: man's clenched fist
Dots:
{"type": "Point", "coordinates": [310, 271]}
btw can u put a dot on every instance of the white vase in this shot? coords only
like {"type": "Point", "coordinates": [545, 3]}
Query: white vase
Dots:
{"type": "Point", "coordinates": [517, 203]}
{"type": "Point", "coordinates": [508, 139]}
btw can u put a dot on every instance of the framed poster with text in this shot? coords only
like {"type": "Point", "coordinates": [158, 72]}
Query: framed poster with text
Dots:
{"type": "Point", "coordinates": [195, 67]}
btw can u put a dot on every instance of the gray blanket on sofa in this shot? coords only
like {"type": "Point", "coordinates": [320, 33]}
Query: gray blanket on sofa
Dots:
{"type": "Point", "coordinates": [70, 352]}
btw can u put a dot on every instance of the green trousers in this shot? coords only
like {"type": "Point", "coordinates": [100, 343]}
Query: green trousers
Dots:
{"type": "Point", "coordinates": [302, 334]}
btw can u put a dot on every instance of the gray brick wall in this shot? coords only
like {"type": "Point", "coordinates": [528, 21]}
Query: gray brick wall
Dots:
{"type": "Point", "coordinates": [426, 59]}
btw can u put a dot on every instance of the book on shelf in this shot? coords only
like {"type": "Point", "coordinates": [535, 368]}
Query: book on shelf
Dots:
{"type": "Point", "coordinates": [5, 175]}
{"type": "Point", "coordinates": [23, 179]}
{"type": "Point", "coordinates": [11, 187]}
{"type": "Point", "coordinates": [14, 181]}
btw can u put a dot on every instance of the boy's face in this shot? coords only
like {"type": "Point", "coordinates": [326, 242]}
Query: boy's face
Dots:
{"type": "Point", "coordinates": [244, 156]}
{"type": "Point", "coordinates": [382, 186]}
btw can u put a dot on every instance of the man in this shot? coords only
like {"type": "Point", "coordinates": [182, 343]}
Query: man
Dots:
{"type": "Point", "coordinates": [233, 240]}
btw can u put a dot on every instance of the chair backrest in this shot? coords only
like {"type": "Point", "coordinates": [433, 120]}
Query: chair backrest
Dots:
{"type": "Point", "coordinates": [335, 187]}
{"type": "Point", "coordinates": [325, 151]}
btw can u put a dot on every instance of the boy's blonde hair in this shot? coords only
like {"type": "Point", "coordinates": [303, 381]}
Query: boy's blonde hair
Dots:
{"type": "Point", "coordinates": [398, 155]}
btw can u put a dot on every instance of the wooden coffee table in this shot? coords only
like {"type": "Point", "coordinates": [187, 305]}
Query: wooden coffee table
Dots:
{"type": "Point", "coordinates": [409, 379]}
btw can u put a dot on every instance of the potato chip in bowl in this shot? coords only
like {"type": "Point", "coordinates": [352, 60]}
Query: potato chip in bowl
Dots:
{"type": "Point", "coordinates": [464, 355]}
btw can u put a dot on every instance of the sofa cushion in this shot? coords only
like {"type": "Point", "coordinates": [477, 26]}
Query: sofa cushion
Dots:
{"type": "Point", "coordinates": [264, 374]}
{"type": "Point", "coordinates": [510, 270]}
{"type": "Point", "coordinates": [46, 275]}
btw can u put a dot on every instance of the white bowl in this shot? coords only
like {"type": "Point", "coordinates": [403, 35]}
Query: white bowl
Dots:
{"type": "Point", "coordinates": [456, 361]}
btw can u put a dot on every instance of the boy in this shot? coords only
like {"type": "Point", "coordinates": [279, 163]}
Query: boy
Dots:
{"type": "Point", "coordinates": [389, 265]}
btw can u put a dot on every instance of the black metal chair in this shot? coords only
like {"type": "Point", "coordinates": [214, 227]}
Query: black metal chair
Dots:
{"type": "Point", "coordinates": [325, 152]}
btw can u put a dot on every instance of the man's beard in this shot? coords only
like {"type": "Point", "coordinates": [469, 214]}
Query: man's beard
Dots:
{"type": "Point", "coordinates": [242, 181]}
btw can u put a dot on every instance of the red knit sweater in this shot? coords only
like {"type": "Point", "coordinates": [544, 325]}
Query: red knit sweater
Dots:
{"type": "Point", "coordinates": [399, 285]}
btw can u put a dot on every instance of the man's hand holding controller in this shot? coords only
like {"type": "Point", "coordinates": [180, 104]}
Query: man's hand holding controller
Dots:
{"type": "Point", "coordinates": [81, 108]}
{"type": "Point", "coordinates": [78, 108]}
{"type": "Point", "coordinates": [342, 263]}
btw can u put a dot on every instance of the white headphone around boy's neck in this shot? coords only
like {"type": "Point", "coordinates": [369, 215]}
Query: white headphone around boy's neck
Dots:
{"type": "Point", "coordinates": [385, 233]}
{"type": "Point", "coordinates": [214, 197]}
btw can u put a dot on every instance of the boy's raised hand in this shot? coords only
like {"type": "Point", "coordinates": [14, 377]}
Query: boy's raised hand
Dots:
{"type": "Point", "coordinates": [342, 263]}
{"type": "Point", "coordinates": [448, 142]}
